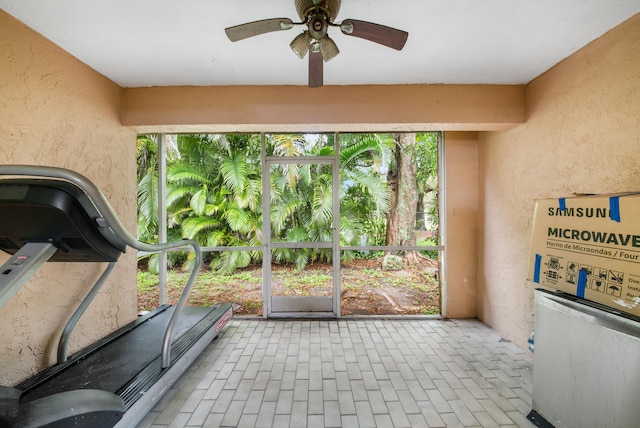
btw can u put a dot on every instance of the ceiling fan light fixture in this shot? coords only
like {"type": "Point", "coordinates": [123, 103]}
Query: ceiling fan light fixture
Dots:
{"type": "Point", "coordinates": [300, 44]}
{"type": "Point", "coordinates": [328, 48]}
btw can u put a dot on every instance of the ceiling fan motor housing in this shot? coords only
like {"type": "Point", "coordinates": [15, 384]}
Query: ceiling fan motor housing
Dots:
{"type": "Point", "coordinates": [318, 26]}
{"type": "Point", "coordinates": [330, 7]}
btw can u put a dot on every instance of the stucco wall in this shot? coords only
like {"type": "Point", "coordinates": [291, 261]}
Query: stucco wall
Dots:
{"type": "Point", "coordinates": [461, 223]}
{"type": "Point", "coordinates": [329, 108]}
{"type": "Point", "coordinates": [56, 111]}
{"type": "Point", "coordinates": [582, 134]}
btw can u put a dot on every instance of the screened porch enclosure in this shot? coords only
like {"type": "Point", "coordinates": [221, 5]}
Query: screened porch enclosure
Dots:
{"type": "Point", "coordinates": [354, 221]}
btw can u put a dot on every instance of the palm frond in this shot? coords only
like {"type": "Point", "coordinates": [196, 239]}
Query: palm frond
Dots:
{"type": "Point", "coordinates": [199, 201]}
{"type": "Point", "coordinates": [367, 148]}
{"type": "Point", "coordinates": [301, 259]}
{"type": "Point", "coordinates": [215, 238]}
{"type": "Point", "coordinates": [350, 227]}
{"type": "Point", "coordinates": [283, 212]}
{"type": "Point", "coordinates": [287, 144]}
{"type": "Point", "coordinates": [297, 234]}
{"type": "Point", "coordinates": [357, 150]}
{"type": "Point", "coordinates": [179, 195]}
{"type": "Point", "coordinates": [229, 261]}
{"type": "Point", "coordinates": [182, 173]}
{"type": "Point", "coordinates": [193, 226]}
{"type": "Point", "coordinates": [146, 154]}
{"type": "Point", "coordinates": [148, 205]}
{"type": "Point", "coordinates": [291, 173]}
{"type": "Point", "coordinates": [374, 187]}
{"type": "Point", "coordinates": [238, 219]}
{"type": "Point", "coordinates": [251, 197]}
{"type": "Point", "coordinates": [322, 200]}
{"type": "Point", "coordinates": [234, 172]}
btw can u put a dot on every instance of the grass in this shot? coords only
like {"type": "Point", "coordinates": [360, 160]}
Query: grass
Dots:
{"type": "Point", "coordinates": [365, 288]}
{"type": "Point", "coordinates": [147, 282]}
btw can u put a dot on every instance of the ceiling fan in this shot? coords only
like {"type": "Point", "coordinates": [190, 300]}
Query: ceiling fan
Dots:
{"type": "Point", "coordinates": [318, 16]}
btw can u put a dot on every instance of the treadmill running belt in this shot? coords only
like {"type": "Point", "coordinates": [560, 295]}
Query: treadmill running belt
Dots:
{"type": "Point", "coordinates": [119, 362]}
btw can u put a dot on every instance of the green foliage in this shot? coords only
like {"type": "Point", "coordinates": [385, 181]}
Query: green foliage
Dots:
{"type": "Point", "coordinates": [427, 172]}
{"type": "Point", "coordinates": [427, 156]}
{"type": "Point", "coordinates": [147, 281]}
{"type": "Point", "coordinates": [147, 175]}
{"type": "Point", "coordinates": [229, 261]}
{"type": "Point", "coordinates": [214, 194]}
{"type": "Point", "coordinates": [429, 242]}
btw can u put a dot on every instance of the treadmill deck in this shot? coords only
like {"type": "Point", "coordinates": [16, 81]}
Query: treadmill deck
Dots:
{"type": "Point", "coordinates": [127, 363]}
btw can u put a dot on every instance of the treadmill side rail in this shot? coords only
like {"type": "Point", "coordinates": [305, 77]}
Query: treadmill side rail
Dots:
{"type": "Point", "coordinates": [21, 266]}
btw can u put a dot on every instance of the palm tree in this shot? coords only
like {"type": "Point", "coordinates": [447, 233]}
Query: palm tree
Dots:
{"type": "Point", "coordinates": [365, 193]}
{"type": "Point", "coordinates": [214, 193]}
{"type": "Point", "coordinates": [302, 197]}
{"type": "Point", "coordinates": [214, 196]}
{"type": "Point", "coordinates": [147, 176]}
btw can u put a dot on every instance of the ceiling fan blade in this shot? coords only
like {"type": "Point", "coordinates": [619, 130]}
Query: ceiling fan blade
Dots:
{"type": "Point", "coordinates": [255, 28]}
{"type": "Point", "coordinates": [382, 34]}
{"type": "Point", "coordinates": [316, 70]}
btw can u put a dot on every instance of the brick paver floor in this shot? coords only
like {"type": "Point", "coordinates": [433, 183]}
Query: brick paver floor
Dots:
{"type": "Point", "coordinates": [352, 373]}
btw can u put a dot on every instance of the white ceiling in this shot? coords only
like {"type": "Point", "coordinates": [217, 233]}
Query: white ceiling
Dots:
{"type": "Point", "coordinates": [138, 43]}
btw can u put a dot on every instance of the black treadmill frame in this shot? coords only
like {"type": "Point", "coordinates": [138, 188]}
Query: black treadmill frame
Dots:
{"type": "Point", "coordinates": [176, 354]}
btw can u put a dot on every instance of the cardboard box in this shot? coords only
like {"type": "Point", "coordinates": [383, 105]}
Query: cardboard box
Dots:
{"type": "Point", "coordinates": [589, 246]}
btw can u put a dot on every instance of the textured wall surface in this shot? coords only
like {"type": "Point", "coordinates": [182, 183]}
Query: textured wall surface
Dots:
{"type": "Point", "coordinates": [339, 108]}
{"type": "Point", "coordinates": [582, 135]}
{"type": "Point", "coordinates": [461, 223]}
{"type": "Point", "coordinates": [56, 111]}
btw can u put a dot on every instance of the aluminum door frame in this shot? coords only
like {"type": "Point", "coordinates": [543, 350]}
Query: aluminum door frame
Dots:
{"type": "Point", "coordinates": [298, 305]}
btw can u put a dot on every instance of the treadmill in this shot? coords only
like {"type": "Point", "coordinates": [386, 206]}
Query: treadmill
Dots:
{"type": "Point", "coordinates": [56, 215]}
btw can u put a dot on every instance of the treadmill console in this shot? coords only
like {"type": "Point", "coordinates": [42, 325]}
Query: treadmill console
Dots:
{"type": "Point", "coordinates": [55, 212]}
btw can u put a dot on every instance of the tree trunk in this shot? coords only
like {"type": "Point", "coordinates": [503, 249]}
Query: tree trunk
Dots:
{"type": "Point", "coordinates": [420, 223]}
{"type": "Point", "coordinates": [401, 219]}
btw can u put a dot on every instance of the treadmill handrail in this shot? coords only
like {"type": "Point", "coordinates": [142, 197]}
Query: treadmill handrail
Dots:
{"type": "Point", "coordinates": [112, 220]}
{"type": "Point", "coordinates": [63, 342]}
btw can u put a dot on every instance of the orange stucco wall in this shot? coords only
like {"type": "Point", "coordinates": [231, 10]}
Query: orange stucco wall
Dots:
{"type": "Point", "coordinates": [330, 108]}
{"type": "Point", "coordinates": [57, 111]}
{"type": "Point", "coordinates": [582, 135]}
{"type": "Point", "coordinates": [461, 223]}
